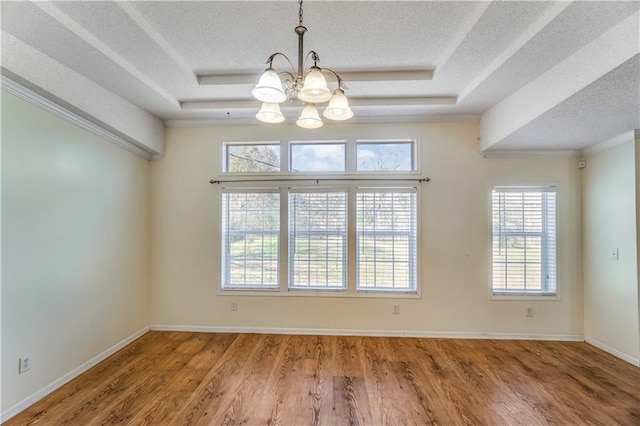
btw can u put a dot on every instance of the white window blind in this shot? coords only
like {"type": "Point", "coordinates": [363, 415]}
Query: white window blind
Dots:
{"type": "Point", "coordinates": [524, 240]}
{"type": "Point", "coordinates": [386, 235]}
{"type": "Point", "coordinates": [250, 238]}
{"type": "Point", "coordinates": [317, 239]}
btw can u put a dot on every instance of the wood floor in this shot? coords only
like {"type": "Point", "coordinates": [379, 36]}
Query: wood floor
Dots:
{"type": "Point", "coordinates": [171, 378]}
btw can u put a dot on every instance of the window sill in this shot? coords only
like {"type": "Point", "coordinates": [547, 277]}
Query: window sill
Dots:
{"type": "Point", "coordinates": [319, 293]}
{"type": "Point", "coordinates": [524, 296]}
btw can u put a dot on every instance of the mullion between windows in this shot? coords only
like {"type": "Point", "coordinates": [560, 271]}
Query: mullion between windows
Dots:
{"type": "Point", "coordinates": [352, 265]}
{"type": "Point", "coordinates": [284, 240]}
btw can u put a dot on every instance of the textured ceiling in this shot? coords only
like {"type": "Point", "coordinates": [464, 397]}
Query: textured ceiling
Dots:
{"type": "Point", "coordinates": [151, 54]}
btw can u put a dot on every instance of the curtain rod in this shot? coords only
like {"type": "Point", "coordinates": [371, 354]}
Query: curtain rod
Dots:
{"type": "Point", "coordinates": [318, 180]}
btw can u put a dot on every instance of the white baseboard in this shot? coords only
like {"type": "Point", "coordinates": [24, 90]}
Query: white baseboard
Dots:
{"type": "Point", "coordinates": [612, 351]}
{"type": "Point", "coordinates": [378, 333]}
{"type": "Point", "coordinates": [35, 397]}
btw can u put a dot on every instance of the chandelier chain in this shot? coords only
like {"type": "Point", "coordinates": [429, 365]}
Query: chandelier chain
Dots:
{"type": "Point", "coordinates": [300, 13]}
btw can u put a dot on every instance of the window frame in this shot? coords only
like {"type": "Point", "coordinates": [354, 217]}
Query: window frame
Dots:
{"type": "Point", "coordinates": [224, 163]}
{"type": "Point", "coordinates": [351, 289]}
{"type": "Point", "coordinates": [414, 154]}
{"type": "Point", "coordinates": [289, 279]}
{"type": "Point", "coordinates": [413, 264]}
{"type": "Point", "coordinates": [285, 178]}
{"type": "Point", "coordinates": [350, 158]}
{"type": "Point", "coordinates": [515, 294]}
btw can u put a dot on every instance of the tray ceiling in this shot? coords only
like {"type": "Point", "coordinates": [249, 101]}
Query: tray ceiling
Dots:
{"type": "Point", "coordinates": [153, 54]}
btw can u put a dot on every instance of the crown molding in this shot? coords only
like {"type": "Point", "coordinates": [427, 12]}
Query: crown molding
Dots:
{"type": "Point", "coordinates": [248, 121]}
{"type": "Point", "coordinates": [226, 104]}
{"type": "Point", "coordinates": [30, 96]}
{"type": "Point", "coordinates": [609, 143]}
{"type": "Point", "coordinates": [349, 76]}
{"type": "Point", "coordinates": [551, 153]}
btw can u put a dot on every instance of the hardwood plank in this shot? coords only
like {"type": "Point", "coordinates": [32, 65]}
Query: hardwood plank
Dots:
{"type": "Point", "coordinates": [173, 378]}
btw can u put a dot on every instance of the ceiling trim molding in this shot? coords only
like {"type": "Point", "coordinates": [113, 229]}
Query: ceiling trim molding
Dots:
{"type": "Point", "coordinates": [30, 96]}
{"type": "Point", "coordinates": [353, 102]}
{"type": "Point", "coordinates": [549, 153]}
{"type": "Point", "coordinates": [154, 35]}
{"type": "Point", "coordinates": [518, 44]}
{"type": "Point", "coordinates": [63, 19]}
{"type": "Point", "coordinates": [347, 76]}
{"type": "Point", "coordinates": [609, 143]}
{"type": "Point", "coordinates": [440, 118]}
{"type": "Point", "coordinates": [464, 31]}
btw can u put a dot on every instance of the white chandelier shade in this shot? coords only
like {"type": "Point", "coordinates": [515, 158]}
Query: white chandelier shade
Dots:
{"type": "Point", "coordinates": [309, 87]}
{"type": "Point", "coordinates": [315, 88]}
{"type": "Point", "coordinates": [309, 119]}
{"type": "Point", "coordinates": [270, 113]}
{"type": "Point", "coordinates": [338, 108]}
{"type": "Point", "coordinates": [269, 88]}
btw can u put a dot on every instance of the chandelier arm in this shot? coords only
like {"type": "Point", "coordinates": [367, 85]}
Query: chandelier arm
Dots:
{"type": "Point", "coordinates": [272, 57]}
{"type": "Point", "coordinates": [314, 57]}
{"type": "Point", "coordinates": [287, 73]}
{"type": "Point", "coordinates": [289, 83]}
{"type": "Point", "coordinates": [340, 82]}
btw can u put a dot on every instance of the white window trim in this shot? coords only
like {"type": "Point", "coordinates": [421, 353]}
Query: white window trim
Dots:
{"type": "Point", "coordinates": [350, 292]}
{"type": "Point", "coordinates": [522, 296]}
{"type": "Point", "coordinates": [350, 161]}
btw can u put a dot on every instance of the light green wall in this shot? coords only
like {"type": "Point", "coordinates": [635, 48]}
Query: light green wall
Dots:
{"type": "Point", "coordinates": [609, 217]}
{"type": "Point", "coordinates": [75, 243]}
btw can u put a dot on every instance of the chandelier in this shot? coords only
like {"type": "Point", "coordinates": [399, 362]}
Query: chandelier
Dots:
{"type": "Point", "coordinates": [309, 86]}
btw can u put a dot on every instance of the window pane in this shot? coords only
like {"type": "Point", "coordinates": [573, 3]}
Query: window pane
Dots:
{"type": "Point", "coordinates": [250, 239]}
{"type": "Point", "coordinates": [252, 158]}
{"type": "Point", "coordinates": [386, 232]}
{"type": "Point", "coordinates": [385, 156]}
{"type": "Point", "coordinates": [317, 239]}
{"type": "Point", "coordinates": [318, 157]}
{"type": "Point", "coordinates": [524, 252]}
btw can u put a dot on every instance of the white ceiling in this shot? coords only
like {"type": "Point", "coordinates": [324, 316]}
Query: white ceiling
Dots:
{"type": "Point", "coordinates": [481, 53]}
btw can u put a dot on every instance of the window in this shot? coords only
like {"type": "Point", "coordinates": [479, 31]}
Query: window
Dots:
{"type": "Point", "coordinates": [318, 239]}
{"type": "Point", "coordinates": [524, 241]}
{"type": "Point", "coordinates": [330, 217]}
{"type": "Point", "coordinates": [250, 238]}
{"type": "Point", "coordinates": [330, 157]}
{"type": "Point", "coordinates": [255, 157]}
{"type": "Point", "coordinates": [318, 157]}
{"type": "Point", "coordinates": [386, 234]}
{"type": "Point", "coordinates": [385, 156]}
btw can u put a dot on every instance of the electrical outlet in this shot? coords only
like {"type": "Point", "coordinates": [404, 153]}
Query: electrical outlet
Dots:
{"type": "Point", "coordinates": [529, 312]}
{"type": "Point", "coordinates": [234, 305]}
{"type": "Point", "coordinates": [24, 364]}
{"type": "Point", "coordinates": [396, 309]}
